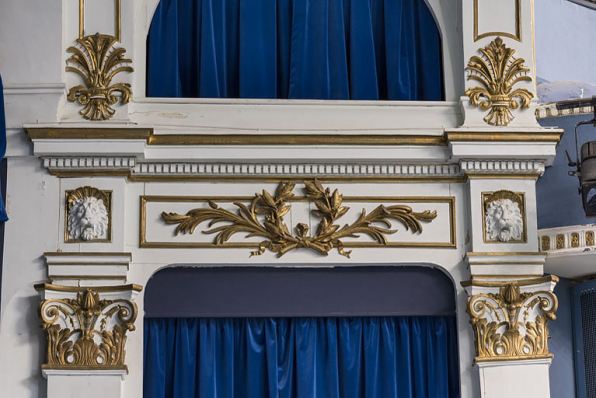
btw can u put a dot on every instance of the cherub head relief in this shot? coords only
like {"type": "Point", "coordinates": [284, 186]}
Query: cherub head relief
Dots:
{"type": "Point", "coordinates": [87, 214]}
{"type": "Point", "coordinates": [503, 218]}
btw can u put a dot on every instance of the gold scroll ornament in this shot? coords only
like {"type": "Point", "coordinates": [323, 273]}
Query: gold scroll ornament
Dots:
{"type": "Point", "coordinates": [511, 324]}
{"type": "Point", "coordinates": [498, 71]}
{"type": "Point", "coordinates": [264, 217]}
{"type": "Point", "coordinates": [86, 331]}
{"type": "Point", "coordinates": [97, 61]}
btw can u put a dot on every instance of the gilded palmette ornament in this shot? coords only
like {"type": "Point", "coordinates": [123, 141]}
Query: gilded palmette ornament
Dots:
{"type": "Point", "coordinates": [512, 324]}
{"type": "Point", "coordinates": [86, 331]}
{"type": "Point", "coordinates": [264, 217]}
{"type": "Point", "coordinates": [97, 61]}
{"type": "Point", "coordinates": [498, 71]}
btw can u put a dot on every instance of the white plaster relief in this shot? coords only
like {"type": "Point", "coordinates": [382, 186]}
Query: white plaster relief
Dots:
{"type": "Point", "coordinates": [88, 219]}
{"type": "Point", "coordinates": [504, 221]}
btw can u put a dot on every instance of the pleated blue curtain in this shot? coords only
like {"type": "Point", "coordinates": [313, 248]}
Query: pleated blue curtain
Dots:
{"type": "Point", "coordinates": [3, 214]}
{"type": "Point", "coordinates": [297, 49]}
{"type": "Point", "coordinates": [378, 357]}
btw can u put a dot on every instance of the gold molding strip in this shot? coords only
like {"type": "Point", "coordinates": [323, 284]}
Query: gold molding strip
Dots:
{"type": "Point", "coordinates": [87, 277]}
{"type": "Point", "coordinates": [50, 254]}
{"type": "Point", "coordinates": [513, 358]}
{"type": "Point", "coordinates": [233, 139]}
{"type": "Point", "coordinates": [501, 276]}
{"type": "Point", "coordinates": [143, 243]}
{"type": "Point", "coordinates": [457, 136]}
{"type": "Point", "coordinates": [147, 134]}
{"type": "Point", "coordinates": [81, 367]}
{"type": "Point", "coordinates": [296, 139]}
{"type": "Point", "coordinates": [117, 19]}
{"type": "Point", "coordinates": [77, 289]}
{"type": "Point", "coordinates": [518, 33]}
{"type": "Point", "coordinates": [520, 282]}
{"type": "Point", "coordinates": [91, 133]}
{"type": "Point", "coordinates": [505, 254]}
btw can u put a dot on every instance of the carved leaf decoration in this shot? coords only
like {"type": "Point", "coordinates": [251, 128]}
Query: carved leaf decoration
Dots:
{"type": "Point", "coordinates": [498, 71]}
{"type": "Point", "coordinates": [97, 61]}
{"type": "Point", "coordinates": [278, 238]}
{"type": "Point", "coordinates": [76, 346]}
{"type": "Point", "coordinates": [511, 335]}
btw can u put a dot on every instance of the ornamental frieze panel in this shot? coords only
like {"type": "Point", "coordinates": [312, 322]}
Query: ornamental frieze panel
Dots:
{"type": "Point", "coordinates": [279, 220]}
{"type": "Point", "coordinates": [510, 318]}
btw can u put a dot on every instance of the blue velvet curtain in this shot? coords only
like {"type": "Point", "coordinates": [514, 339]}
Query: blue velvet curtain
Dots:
{"type": "Point", "coordinates": [3, 214]}
{"type": "Point", "coordinates": [298, 49]}
{"type": "Point", "coordinates": [378, 357]}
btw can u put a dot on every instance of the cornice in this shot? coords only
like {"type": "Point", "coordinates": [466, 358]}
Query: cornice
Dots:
{"type": "Point", "coordinates": [194, 171]}
{"type": "Point", "coordinates": [500, 168]}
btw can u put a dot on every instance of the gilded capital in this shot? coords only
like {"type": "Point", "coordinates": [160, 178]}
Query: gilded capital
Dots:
{"type": "Point", "coordinates": [510, 318]}
{"type": "Point", "coordinates": [87, 327]}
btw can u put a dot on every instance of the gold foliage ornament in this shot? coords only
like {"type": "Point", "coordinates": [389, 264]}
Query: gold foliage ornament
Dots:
{"type": "Point", "coordinates": [278, 237]}
{"type": "Point", "coordinates": [97, 62]}
{"type": "Point", "coordinates": [498, 71]}
{"type": "Point", "coordinates": [511, 324]}
{"type": "Point", "coordinates": [86, 331]}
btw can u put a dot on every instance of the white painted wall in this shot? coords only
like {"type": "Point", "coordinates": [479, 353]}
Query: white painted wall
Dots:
{"type": "Point", "coordinates": [565, 41]}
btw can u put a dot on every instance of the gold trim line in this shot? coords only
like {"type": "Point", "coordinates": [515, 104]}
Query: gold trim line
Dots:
{"type": "Point", "coordinates": [510, 358]}
{"type": "Point", "coordinates": [521, 282]}
{"type": "Point", "coordinates": [76, 289]}
{"type": "Point", "coordinates": [516, 36]}
{"type": "Point", "coordinates": [99, 254]}
{"type": "Point", "coordinates": [456, 136]}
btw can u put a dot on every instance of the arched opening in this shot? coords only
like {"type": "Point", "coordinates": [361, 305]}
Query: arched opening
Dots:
{"type": "Point", "coordinates": [301, 332]}
{"type": "Point", "coordinates": [302, 49]}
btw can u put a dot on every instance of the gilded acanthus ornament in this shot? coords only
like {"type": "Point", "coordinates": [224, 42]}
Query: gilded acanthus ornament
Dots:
{"type": "Point", "coordinates": [264, 217]}
{"type": "Point", "coordinates": [88, 215]}
{"type": "Point", "coordinates": [98, 61]}
{"type": "Point", "coordinates": [87, 331]}
{"type": "Point", "coordinates": [498, 71]}
{"type": "Point", "coordinates": [512, 324]}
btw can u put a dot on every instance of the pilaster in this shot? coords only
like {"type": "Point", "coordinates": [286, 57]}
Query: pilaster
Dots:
{"type": "Point", "coordinates": [86, 330]}
{"type": "Point", "coordinates": [498, 49]}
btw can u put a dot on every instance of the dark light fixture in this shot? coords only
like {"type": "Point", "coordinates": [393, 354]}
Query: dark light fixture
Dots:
{"type": "Point", "coordinates": [585, 168]}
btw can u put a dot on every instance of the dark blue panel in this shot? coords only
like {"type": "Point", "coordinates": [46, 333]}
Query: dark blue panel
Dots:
{"type": "Point", "coordinates": [297, 49]}
{"type": "Point", "coordinates": [291, 292]}
{"type": "Point", "coordinates": [583, 305]}
{"type": "Point", "coordinates": [562, 375]}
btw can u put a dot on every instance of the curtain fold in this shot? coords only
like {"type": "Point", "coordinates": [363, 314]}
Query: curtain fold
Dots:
{"type": "Point", "coordinates": [296, 49]}
{"type": "Point", "coordinates": [379, 357]}
{"type": "Point", "coordinates": [3, 214]}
